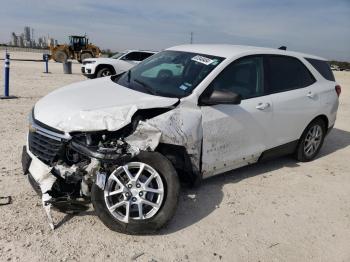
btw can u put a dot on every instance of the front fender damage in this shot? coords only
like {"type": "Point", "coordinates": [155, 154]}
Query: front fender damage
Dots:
{"type": "Point", "coordinates": [181, 126]}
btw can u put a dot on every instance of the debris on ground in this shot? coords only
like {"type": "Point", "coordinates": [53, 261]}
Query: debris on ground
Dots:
{"type": "Point", "coordinates": [136, 256]}
{"type": "Point", "coordinates": [5, 200]}
{"type": "Point", "coordinates": [273, 245]}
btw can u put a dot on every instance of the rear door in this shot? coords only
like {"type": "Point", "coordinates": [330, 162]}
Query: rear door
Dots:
{"type": "Point", "coordinates": [325, 89]}
{"type": "Point", "coordinates": [290, 85]}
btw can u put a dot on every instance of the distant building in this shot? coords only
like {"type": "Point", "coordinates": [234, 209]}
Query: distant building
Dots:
{"type": "Point", "coordinates": [27, 33]}
{"type": "Point", "coordinates": [14, 40]}
{"type": "Point", "coordinates": [21, 40]}
{"type": "Point", "coordinates": [50, 41]}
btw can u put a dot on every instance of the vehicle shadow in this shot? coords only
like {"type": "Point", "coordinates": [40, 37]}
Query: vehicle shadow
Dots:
{"type": "Point", "coordinates": [195, 204]}
{"type": "Point", "coordinates": [68, 217]}
{"type": "Point", "coordinates": [337, 139]}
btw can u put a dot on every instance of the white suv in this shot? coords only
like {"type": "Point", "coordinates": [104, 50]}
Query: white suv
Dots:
{"type": "Point", "coordinates": [116, 64]}
{"type": "Point", "coordinates": [186, 113]}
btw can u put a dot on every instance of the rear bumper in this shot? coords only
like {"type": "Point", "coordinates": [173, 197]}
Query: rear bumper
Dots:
{"type": "Point", "coordinates": [329, 129]}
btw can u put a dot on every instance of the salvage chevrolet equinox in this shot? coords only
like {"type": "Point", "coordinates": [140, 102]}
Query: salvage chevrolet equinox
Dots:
{"type": "Point", "coordinates": [124, 142]}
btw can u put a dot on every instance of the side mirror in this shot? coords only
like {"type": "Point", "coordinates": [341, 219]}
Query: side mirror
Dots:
{"type": "Point", "coordinates": [221, 97]}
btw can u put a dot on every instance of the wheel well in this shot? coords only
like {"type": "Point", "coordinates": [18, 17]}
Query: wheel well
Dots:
{"type": "Point", "coordinates": [324, 119]}
{"type": "Point", "coordinates": [99, 67]}
{"type": "Point", "coordinates": [181, 161]}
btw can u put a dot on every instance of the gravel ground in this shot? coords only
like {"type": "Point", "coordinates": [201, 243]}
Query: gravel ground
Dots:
{"type": "Point", "coordinates": [281, 210]}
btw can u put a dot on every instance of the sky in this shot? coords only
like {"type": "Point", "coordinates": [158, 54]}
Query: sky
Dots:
{"type": "Point", "coordinates": [320, 27]}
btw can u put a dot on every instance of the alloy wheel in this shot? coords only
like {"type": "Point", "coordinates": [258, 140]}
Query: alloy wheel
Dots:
{"type": "Point", "coordinates": [134, 191]}
{"type": "Point", "coordinates": [106, 73]}
{"type": "Point", "coordinates": [313, 140]}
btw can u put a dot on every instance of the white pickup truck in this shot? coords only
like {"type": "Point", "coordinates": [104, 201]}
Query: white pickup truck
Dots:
{"type": "Point", "coordinates": [116, 64]}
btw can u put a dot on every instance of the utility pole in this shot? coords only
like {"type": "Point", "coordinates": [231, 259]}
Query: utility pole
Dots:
{"type": "Point", "coordinates": [191, 38]}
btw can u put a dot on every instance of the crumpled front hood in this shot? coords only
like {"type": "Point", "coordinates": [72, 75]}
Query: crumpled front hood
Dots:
{"type": "Point", "coordinates": [94, 105]}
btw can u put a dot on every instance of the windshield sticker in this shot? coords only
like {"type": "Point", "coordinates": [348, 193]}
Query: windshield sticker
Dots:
{"type": "Point", "coordinates": [215, 62]}
{"type": "Point", "coordinates": [183, 87]}
{"type": "Point", "coordinates": [202, 59]}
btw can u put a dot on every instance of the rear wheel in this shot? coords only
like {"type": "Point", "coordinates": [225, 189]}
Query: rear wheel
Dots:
{"type": "Point", "coordinates": [60, 56]}
{"type": "Point", "coordinates": [139, 197]}
{"type": "Point", "coordinates": [311, 141]}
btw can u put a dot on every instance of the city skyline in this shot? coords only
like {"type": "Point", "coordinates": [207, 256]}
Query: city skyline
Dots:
{"type": "Point", "coordinates": [27, 39]}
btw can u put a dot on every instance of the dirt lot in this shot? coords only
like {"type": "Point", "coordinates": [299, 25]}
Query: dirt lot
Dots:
{"type": "Point", "coordinates": [278, 211]}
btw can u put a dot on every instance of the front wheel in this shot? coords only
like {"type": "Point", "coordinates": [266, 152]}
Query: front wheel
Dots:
{"type": "Point", "coordinates": [311, 141]}
{"type": "Point", "coordinates": [139, 197]}
{"type": "Point", "coordinates": [104, 72]}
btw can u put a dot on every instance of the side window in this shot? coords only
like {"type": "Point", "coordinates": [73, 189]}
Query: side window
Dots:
{"type": "Point", "coordinates": [144, 55]}
{"type": "Point", "coordinates": [132, 56]}
{"type": "Point", "coordinates": [244, 77]}
{"type": "Point", "coordinates": [285, 73]}
{"type": "Point", "coordinates": [322, 67]}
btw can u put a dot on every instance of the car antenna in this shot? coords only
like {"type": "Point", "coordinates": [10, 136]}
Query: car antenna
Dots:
{"type": "Point", "coordinates": [282, 47]}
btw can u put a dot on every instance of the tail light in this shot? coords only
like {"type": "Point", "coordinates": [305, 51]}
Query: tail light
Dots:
{"type": "Point", "coordinates": [338, 89]}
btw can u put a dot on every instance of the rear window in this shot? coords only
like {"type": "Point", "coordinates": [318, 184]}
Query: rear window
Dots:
{"type": "Point", "coordinates": [322, 67]}
{"type": "Point", "coordinates": [285, 73]}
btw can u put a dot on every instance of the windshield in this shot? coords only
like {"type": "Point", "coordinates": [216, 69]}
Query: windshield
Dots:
{"type": "Point", "coordinates": [117, 55]}
{"type": "Point", "coordinates": [169, 73]}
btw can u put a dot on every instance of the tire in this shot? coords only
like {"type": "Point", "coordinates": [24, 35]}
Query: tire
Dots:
{"type": "Point", "coordinates": [302, 153]}
{"type": "Point", "coordinates": [34, 185]}
{"type": "Point", "coordinates": [105, 71]}
{"type": "Point", "coordinates": [84, 56]}
{"type": "Point", "coordinates": [170, 180]}
{"type": "Point", "coordinates": [60, 56]}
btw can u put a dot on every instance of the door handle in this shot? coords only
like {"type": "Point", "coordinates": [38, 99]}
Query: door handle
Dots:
{"type": "Point", "coordinates": [262, 106]}
{"type": "Point", "coordinates": [310, 95]}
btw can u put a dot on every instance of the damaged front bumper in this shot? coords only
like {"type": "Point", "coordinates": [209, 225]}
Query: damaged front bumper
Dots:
{"type": "Point", "coordinates": [65, 169]}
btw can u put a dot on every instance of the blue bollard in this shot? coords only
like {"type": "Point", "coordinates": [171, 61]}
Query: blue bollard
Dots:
{"type": "Point", "coordinates": [7, 75]}
{"type": "Point", "coordinates": [7, 78]}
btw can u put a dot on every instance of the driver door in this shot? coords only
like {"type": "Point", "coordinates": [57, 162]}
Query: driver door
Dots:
{"type": "Point", "coordinates": [236, 135]}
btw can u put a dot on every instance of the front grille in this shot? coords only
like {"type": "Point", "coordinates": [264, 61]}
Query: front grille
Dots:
{"type": "Point", "coordinates": [43, 147]}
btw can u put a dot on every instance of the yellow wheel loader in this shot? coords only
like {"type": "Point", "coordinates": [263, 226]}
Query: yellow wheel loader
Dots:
{"type": "Point", "coordinates": [78, 48]}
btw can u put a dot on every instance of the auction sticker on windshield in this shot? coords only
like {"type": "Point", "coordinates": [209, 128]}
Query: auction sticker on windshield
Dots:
{"type": "Point", "coordinates": [202, 59]}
